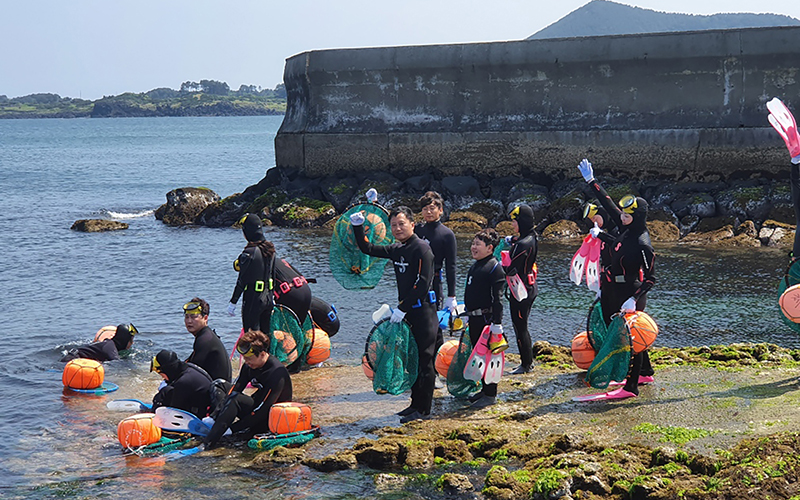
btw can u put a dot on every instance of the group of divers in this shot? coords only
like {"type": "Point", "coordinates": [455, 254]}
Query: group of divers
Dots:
{"type": "Point", "coordinates": [423, 257]}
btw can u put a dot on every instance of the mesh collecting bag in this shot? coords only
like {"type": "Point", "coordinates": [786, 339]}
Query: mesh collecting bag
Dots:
{"type": "Point", "coordinates": [286, 338]}
{"type": "Point", "coordinates": [392, 353]}
{"type": "Point", "coordinates": [613, 357]}
{"type": "Point", "coordinates": [457, 385]}
{"type": "Point", "coordinates": [790, 278]}
{"type": "Point", "coordinates": [268, 441]}
{"type": "Point", "coordinates": [352, 268]}
{"type": "Point", "coordinates": [596, 330]}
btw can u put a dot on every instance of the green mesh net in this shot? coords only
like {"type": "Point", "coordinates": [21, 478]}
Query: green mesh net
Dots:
{"type": "Point", "coordinates": [613, 358]}
{"type": "Point", "coordinates": [350, 267]}
{"type": "Point", "coordinates": [791, 277]}
{"type": "Point", "coordinates": [392, 353]}
{"type": "Point", "coordinates": [596, 329]}
{"type": "Point", "coordinates": [163, 445]}
{"type": "Point", "coordinates": [457, 385]}
{"type": "Point", "coordinates": [268, 441]}
{"type": "Point", "coordinates": [308, 338]}
{"type": "Point", "coordinates": [499, 248]}
{"type": "Point", "coordinates": [287, 339]}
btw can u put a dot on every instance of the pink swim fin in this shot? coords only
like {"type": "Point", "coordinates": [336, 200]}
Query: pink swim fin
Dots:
{"type": "Point", "coordinates": [576, 267]}
{"type": "Point", "coordinates": [497, 361]}
{"type": "Point", "coordinates": [479, 359]}
{"type": "Point", "coordinates": [620, 393]}
{"type": "Point", "coordinates": [593, 265]}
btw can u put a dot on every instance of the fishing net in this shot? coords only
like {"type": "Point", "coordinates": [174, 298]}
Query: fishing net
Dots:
{"type": "Point", "coordinates": [457, 385]}
{"type": "Point", "coordinates": [350, 267]}
{"type": "Point", "coordinates": [613, 358]}
{"type": "Point", "coordinates": [308, 338]}
{"type": "Point", "coordinates": [791, 277]}
{"type": "Point", "coordinates": [596, 329]}
{"type": "Point", "coordinates": [287, 339]}
{"type": "Point", "coordinates": [265, 442]}
{"type": "Point", "coordinates": [393, 356]}
{"type": "Point", "coordinates": [163, 445]}
{"type": "Point", "coordinates": [499, 248]}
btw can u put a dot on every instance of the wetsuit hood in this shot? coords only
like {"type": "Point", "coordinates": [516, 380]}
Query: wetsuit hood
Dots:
{"type": "Point", "coordinates": [122, 337]}
{"type": "Point", "coordinates": [252, 228]}
{"type": "Point", "coordinates": [639, 224]}
{"type": "Point", "coordinates": [169, 364]}
{"type": "Point", "coordinates": [524, 218]}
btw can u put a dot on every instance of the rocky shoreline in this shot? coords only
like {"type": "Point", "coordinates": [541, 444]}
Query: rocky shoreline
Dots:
{"type": "Point", "coordinates": [719, 423]}
{"type": "Point", "coordinates": [749, 213]}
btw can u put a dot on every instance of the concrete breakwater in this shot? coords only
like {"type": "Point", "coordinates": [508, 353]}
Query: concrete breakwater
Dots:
{"type": "Point", "coordinates": [672, 106]}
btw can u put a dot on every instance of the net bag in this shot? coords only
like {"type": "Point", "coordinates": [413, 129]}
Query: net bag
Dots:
{"type": "Point", "coordinates": [457, 385]}
{"type": "Point", "coordinates": [286, 337]}
{"type": "Point", "coordinates": [596, 329]}
{"type": "Point", "coordinates": [613, 358]}
{"type": "Point", "coordinates": [308, 338]}
{"type": "Point", "coordinates": [392, 354]}
{"type": "Point", "coordinates": [352, 268]}
{"type": "Point", "coordinates": [790, 278]}
{"type": "Point", "coordinates": [265, 442]}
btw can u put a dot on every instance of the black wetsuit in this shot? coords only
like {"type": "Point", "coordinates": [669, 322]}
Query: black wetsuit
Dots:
{"type": "Point", "coordinates": [443, 244]}
{"type": "Point", "coordinates": [210, 354]}
{"type": "Point", "coordinates": [628, 273]}
{"type": "Point", "coordinates": [523, 257]}
{"type": "Point", "coordinates": [105, 350]}
{"type": "Point", "coordinates": [187, 389]}
{"type": "Point", "coordinates": [413, 270]}
{"type": "Point", "coordinates": [289, 288]}
{"type": "Point", "coordinates": [273, 385]}
{"type": "Point", "coordinates": [324, 316]}
{"type": "Point", "coordinates": [482, 293]}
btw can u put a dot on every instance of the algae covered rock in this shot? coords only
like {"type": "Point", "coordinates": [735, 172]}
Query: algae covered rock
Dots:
{"type": "Point", "coordinates": [97, 225]}
{"type": "Point", "coordinates": [184, 205]}
{"type": "Point", "coordinates": [342, 460]}
{"type": "Point", "coordinates": [562, 230]}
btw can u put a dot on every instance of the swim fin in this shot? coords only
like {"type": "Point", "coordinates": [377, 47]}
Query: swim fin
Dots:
{"type": "Point", "coordinates": [615, 394]}
{"type": "Point", "coordinates": [576, 267]}
{"type": "Point", "coordinates": [593, 265]}
{"type": "Point", "coordinates": [477, 361]}
{"type": "Point", "coordinates": [497, 358]}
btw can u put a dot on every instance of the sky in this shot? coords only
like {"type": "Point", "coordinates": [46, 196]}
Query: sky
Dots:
{"type": "Point", "coordinates": [93, 48]}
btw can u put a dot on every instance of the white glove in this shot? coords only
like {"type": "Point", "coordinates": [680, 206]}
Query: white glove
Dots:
{"type": "Point", "coordinates": [397, 316]}
{"type": "Point", "coordinates": [586, 170]}
{"type": "Point", "coordinates": [451, 304]}
{"type": "Point", "coordinates": [357, 219]}
{"type": "Point", "coordinates": [628, 306]}
{"type": "Point", "coordinates": [495, 328]}
{"type": "Point", "coordinates": [231, 308]}
{"type": "Point", "coordinates": [208, 421]}
{"type": "Point", "coordinates": [372, 195]}
{"type": "Point", "coordinates": [595, 231]}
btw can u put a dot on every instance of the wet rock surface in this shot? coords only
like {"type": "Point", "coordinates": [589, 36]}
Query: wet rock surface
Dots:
{"type": "Point", "coordinates": [98, 225]}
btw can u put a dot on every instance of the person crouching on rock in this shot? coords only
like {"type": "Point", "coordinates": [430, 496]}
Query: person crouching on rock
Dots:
{"type": "Point", "coordinates": [187, 385]}
{"type": "Point", "coordinates": [241, 413]}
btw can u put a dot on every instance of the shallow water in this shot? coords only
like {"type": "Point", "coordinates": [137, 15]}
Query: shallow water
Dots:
{"type": "Point", "coordinates": [60, 286]}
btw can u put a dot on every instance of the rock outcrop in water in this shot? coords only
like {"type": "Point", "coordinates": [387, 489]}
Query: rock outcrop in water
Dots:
{"type": "Point", "coordinates": [184, 205]}
{"type": "Point", "coordinates": [98, 225]}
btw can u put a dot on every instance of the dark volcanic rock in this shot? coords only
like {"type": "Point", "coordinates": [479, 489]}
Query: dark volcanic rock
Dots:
{"type": "Point", "coordinates": [98, 225]}
{"type": "Point", "coordinates": [184, 205]}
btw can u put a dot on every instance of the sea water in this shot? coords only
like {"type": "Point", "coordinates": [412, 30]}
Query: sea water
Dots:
{"type": "Point", "coordinates": [60, 286]}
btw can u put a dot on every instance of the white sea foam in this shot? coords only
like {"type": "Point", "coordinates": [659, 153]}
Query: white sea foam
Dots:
{"type": "Point", "coordinates": [134, 215]}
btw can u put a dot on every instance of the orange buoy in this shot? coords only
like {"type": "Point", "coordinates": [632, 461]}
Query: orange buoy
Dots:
{"type": "Point", "coordinates": [790, 303]}
{"type": "Point", "coordinates": [105, 333]}
{"type": "Point", "coordinates": [376, 230]}
{"type": "Point", "coordinates": [367, 369]}
{"type": "Point", "coordinates": [582, 351]}
{"type": "Point", "coordinates": [643, 330]}
{"type": "Point", "coordinates": [82, 373]}
{"type": "Point", "coordinates": [138, 430]}
{"type": "Point", "coordinates": [445, 356]}
{"type": "Point", "coordinates": [289, 417]}
{"type": "Point", "coordinates": [320, 349]}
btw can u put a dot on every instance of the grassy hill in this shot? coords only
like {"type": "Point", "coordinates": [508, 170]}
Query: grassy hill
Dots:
{"type": "Point", "coordinates": [601, 17]}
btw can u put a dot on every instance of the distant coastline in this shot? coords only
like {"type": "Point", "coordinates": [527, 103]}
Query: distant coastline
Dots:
{"type": "Point", "coordinates": [204, 98]}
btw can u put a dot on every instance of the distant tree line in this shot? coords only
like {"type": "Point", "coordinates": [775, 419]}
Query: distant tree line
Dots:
{"type": "Point", "coordinates": [203, 98]}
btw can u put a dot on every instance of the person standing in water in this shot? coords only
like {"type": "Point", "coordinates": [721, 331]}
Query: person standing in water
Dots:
{"type": "Point", "coordinates": [629, 273]}
{"type": "Point", "coordinates": [521, 274]}
{"type": "Point", "coordinates": [208, 352]}
{"type": "Point", "coordinates": [413, 267]}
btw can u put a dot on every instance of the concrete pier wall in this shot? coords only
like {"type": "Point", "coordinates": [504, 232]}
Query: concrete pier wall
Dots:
{"type": "Point", "coordinates": [682, 106]}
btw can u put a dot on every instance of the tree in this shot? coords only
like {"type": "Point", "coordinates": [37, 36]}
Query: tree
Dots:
{"type": "Point", "coordinates": [190, 87]}
{"type": "Point", "coordinates": [280, 91]}
{"type": "Point", "coordinates": [214, 87]}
